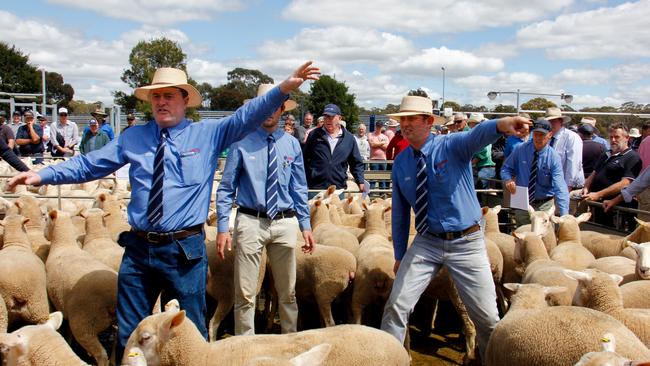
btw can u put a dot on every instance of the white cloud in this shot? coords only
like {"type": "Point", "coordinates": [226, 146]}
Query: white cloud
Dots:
{"type": "Point", "coordinates": [214, 73]}
{"type": "Point", "coordinates": [477, 87]}
{"type": "Point", "coordinates": [421, 16]}
{"type": "Point", "coordinates": [630, 73]}
{"type": "Point", "coordinates": [155, 12]}
{"type": "Point", "coordinates": [582, 76]}
{"type": "Point", "coordinates": [430, 61]}
{"type": "Point", "coordinates": [619, 32]}
{"type": "Point", "coordinates": [588, 100]}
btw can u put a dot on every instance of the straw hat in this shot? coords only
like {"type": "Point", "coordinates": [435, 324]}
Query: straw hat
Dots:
{"type": "Point", "coordinates": [166, 77]}
{"type": "Point", "coordinates": [264, 88]}
{"type": "Point", "coordinates": [476, 118]}
{"type": "Point", "coordinates": [588, 120]}
{"type": "Point", "coordinates": [554, 113]}
{"type": "Point", "coordinates": [634, 132]}
{"type": "Point", "coordinates": [392, 123]}
{"type": "Point", "coordinates": [413, 105]}
{"type": "Point", "coordinates": [99, 113]}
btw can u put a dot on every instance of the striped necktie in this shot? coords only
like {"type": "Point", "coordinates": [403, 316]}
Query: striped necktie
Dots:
{"type": "Point", "coordinates": [532, 180]}
{"type": "Point", "coordinates": [421, 194]}
{"type": "Point", "coordinates": [155, 206]}
{"type": "Point", "coordinates": [272, 180]}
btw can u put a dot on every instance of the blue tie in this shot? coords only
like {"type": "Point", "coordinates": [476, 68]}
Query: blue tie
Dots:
{"type": "Point", "coordinates": [532, 180]}
{"type": "Point", "coordinates": [421, 193]}
{"type": "Point", "coordinates": [272, 180]}
{"type": "Point", "coordinates": [155, 207]}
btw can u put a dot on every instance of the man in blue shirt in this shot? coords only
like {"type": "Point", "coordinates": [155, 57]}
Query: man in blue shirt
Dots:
{"type": "Point", "coordinates": [165, 250]}
{"type": "Point", "coordinates": [536, 159]}
{"type": "Point", "coordinates": [100, 117]}
{"type": "Point", "coordinates": [29, 136]}
{"type": "Point", "coordinates": [269, 204]}
{"type": "Point", "coordinates": [433, 176]}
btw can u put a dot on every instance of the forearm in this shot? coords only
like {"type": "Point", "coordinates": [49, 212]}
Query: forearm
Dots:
{"type": "Point", "coordinates": [23, 141]}
{"type": "Point", "coordinates": [614, 188]}
{"type": "Point", "coordinates": [11, 158]}
{"type": "Point", "coordinates": [227, 190]}
{"type": "Point", "coordinates": [85, 168]}
{"type": "Point", "coordinates": [640, 184]}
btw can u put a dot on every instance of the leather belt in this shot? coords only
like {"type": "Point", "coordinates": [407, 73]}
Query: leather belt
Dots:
{"type": "Point", "coordinates": [451, 235]}
{"type": "Point", "coordinates": [262, 215]}
{"type": "Point", "coordinates": [154, 237]}
{"type": "Point", "coordinates": [541, 201]}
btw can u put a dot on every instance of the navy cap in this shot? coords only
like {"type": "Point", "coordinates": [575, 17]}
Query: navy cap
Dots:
{"type": "Point", "coordinates": [16, 113]}
{"type": "Point", "coordinates": [332, 110]}
{"type": "Point", "coordinates": [542, 125]}
{"type": "Point", "coordinates": [586, 129]}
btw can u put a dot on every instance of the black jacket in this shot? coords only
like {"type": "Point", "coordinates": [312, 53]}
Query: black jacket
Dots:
{"type": "Point", "coordinates": [324, 168]}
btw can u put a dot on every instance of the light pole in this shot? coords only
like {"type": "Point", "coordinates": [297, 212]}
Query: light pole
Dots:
{"type": "Point", "coordinates": [443, 88]}
{"type": "Point", "coordinates": [568, 98]}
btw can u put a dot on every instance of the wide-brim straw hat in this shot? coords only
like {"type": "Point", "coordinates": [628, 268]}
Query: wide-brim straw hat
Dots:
{"type": "Point", "coordinates": [264, 88]}
{"type": "Point", "coordinates": [99, 112]}
{"type": "Point", "coordinates": [413, 105]}
{"type": "Point", "coordinates": [168, 77]}
{"type": "Point", "coordinates": [634, 132]}
{"type": "Point", "coordinates": [555, 113]}
{"type": "Point", "coordinates": [392, 123]}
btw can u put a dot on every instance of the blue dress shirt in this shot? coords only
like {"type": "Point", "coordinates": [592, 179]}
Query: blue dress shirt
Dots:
{"type": "Point", "coordinates": [511, 143]}
{"type": "Point", "coordinates": [104, 127]}
{"type": "Point", "coordinates": [550, 177]}
{"type": "Point", "coordinates": [452, 199]}
{"type": "Point", "coordinates": [190, 162]}
{"type": "Point", "coordinates": [601, 141]}
{"type": "Point", "coordinates": [246, 171]}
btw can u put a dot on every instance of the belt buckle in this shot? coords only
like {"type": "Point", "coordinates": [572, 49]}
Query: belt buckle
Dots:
{"type": "Point", "coordinates": [150, 237]}
{"type": "Point", "coordinates": [449, 236]}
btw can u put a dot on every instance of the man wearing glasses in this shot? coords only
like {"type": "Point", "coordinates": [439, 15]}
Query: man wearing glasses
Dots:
{"type": "Point", "coordinates": [460, 122]}
{"type": "Point", "coordinates": [328, 153]}
{"type": "Point", "coordinates": [28, 137]}
{"type": "Point", "coordinates": [64, 135]}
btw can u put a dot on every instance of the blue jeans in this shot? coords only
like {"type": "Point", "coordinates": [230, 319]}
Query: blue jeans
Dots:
{"type": "Point", "coordinates": [378, 166]}
{"type": "Point", "coordinates": [178, 269]}
{"type": "Point", "coordinates": [485, 173]}
{"type": "Point", "coordinates": [467, 261]}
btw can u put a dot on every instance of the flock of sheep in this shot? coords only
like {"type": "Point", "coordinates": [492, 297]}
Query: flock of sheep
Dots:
{"type": "Point", "coordinates": [559, 293]}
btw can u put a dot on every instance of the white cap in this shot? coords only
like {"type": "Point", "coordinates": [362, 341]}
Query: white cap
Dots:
{"type": "Point", "coordinates": [63, 110]}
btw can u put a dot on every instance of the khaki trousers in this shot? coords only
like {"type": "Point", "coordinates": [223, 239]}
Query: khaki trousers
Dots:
{"type": "Point", "coordinates": [279, 237]}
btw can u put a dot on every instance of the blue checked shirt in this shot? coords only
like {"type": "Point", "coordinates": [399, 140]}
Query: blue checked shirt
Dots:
{"type": "Point", "coordinates": [190, 162]}
{"type": "Point", "coordinates": [550, 178]}
{"type": "Point", "coordinates": [245, 176]}
{"type": "Point", "coordinates": [452, 204]}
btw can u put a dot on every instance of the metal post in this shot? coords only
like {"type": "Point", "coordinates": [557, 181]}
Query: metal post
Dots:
{"type": "Point", "coordinates": [517, 101]}
{"type": "Point", "coordinates": [43, 110]}
{"type": "Point", "coordinates": [443, 88]}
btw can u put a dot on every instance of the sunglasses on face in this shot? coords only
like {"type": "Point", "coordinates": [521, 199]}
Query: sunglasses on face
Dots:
{"type": "Point", "coordinates": [63, 114]}
{"type": "Point", "coordinates": [459, 121]}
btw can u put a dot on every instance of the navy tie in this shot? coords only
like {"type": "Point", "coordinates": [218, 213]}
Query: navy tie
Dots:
{"type": "Point", "coordinates": [272, 180]}
{"type": "Point", "coordinates": [155, 207]}
{"type": "Point", "coordinates": [532, 180]}
{"type": "Point", "coordinates": [553, 141]}
{"type": "Point", "coordinates": [421, 194]}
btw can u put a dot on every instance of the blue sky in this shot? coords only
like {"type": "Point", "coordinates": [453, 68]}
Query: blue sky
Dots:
{"type": "Point", "coordinates": [599, 51]}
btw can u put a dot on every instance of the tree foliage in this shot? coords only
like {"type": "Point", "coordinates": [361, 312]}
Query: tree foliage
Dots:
{"type": "Point", "coordinates": [473, 108]}
{"type": "Point", "coordinates": [242, 84]}
{"type": "Point", "coordinates": [327, 90]}
{"type": "Point", "coordinates": [505, 108]}
{"type": "Point", "coordinates": [57, 90]}
{"type": "Point", "coordinates": [419, 92]}
{"type": "Point", "coordinates": [147, 56]}
{"type": "Point", "coordinates": [16, 74]}
{"type": "Point", "coordinates": [451, 104]}
{"type": "Point", "coordinates": [82, 107]}
{"type": "Point", "coordinates": [537, 104]}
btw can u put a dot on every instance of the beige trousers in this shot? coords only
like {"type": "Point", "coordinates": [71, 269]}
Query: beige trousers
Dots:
{"type": "Point", "coordinates": [251, 235]}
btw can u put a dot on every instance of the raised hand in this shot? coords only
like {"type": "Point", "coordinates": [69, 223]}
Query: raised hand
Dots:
{"type": "Point", "coordinates": [305, 72]}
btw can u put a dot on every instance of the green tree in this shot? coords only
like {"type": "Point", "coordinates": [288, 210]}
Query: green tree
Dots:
{"type": "Point", "coordinates": [504, 108]}
{"type": "Point", "coordinates": [537, 104]}
{"type": "Point", "coordinates": [82, 107]}
{"type": "Point", "coordinates": [419, 92]}
{"type": "Point", "coordinates": [473, 108]}
{"type": "Point", "coordinates": [16, 74]}
{"type": "Point", "coordinates": [451, 104]}
{"type": "Point", "coordinates": [58, 91]}
{"type": "Point", "coordinates": [242, 84]}
{"type": "Point", "coordinates": [327, 90]}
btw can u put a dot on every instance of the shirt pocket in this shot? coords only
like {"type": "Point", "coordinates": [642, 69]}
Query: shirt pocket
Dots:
{"type": "Point", "coordinates": [191, 169]}
{"type": "Point", "coordinates": [285, 164]}
{"type": "Point", "coordinates": [545, 177]}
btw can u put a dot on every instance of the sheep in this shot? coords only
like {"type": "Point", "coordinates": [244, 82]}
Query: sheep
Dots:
{"type": "Point", "coordinates": [326, 233]}
{"type": "Point", "coordinates": [115, 222]}
{"type": "Point", "coordinates": [28, 206]}
{"type": "Point", "coordinates": [313, 357]}
{"type": "Point", "coordinates": [81, 287]}
{"type": "Point", "coordinates": [635, 294]}
{"type": "Point", "coordinates": [569, 252]}
{"type": "Point", "coordinates": [39, 345]}
{"type": "Point", "coordinates": [68, 205]}
{"type": "Point", "coordinates": [220, 283]}
{"type": "Point", "coordinates": [351, 205]}
{"type": "Point", "coordinates": [599, 291]}
{"type": "Point", "coordinates": [97, 239]}
{"type": "Point", "coordinates": [607, 245]}
{"type": "Point", "coordinates": [375, 262]}
{"type": "Point", "coordinates": [135, 357]}
{"type": "Point", "coordinates": [533, 333]}
{"type": "Point", "coordinates": [22, 275]}
{"type": "Point", "coordinates": [4, 317]}
{"type": "Point", "coordinates": [540, 223]}
{"type": "Point", "coordinates": [169, 338]}
{"type": "Point", "coordinates": [608, 355]}
{"type": "Point", "coordinates": [630, 270]}
{"type": "Point", "coordinates": [322, 276]}
{"type": "Point", "coordinates": [539, 268]}
{"type": "Point", "coordinates": [505, 242]}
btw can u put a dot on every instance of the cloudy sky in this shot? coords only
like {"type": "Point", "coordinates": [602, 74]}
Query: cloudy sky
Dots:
{"type": "Point", "coordinates": [597, 50]}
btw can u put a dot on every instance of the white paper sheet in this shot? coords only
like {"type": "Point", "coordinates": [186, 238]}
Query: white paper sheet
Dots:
{"type": "Point", "coordinates": [519, 199]}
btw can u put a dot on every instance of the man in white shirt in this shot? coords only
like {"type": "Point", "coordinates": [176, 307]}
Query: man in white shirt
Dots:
{"type": "Point", "coordinates": [569, 146]}
{"type": "Point", "coordinates": [362, 141]}
{"type": "Point", "coordinates": [64, 135]}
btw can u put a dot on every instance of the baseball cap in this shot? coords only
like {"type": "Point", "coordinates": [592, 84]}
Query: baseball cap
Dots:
{"type": "Point", "coordinates": [542, 125]}
{"type": "Point", "coordinates": [92, 122]}
{"type": "Point", "coordinates": [16, 113]}
{"type": "Point", "coordinates": [586, 129]}
{"type": "Point", "coordinates": [332, 110]}
{"type": "Point", "coordinates": [63, 110]}
{"type": "Point", "coordinates": [29, 111]}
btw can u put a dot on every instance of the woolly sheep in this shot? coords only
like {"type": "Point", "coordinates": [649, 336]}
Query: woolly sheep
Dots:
{"type": "Point", "coordinates": [635, 294]}
{"type": "Point", "coordinates": [608, 355]}
{"type": "Point", "coordinates": [540, 269]}
{"type": "Point", "coordinates": [28, 206]}
{"type": "Point", "coordinates": [81, 287]}
{"type": "Point", "coordinates": [607, 245]}
{"type": "Point", "coordinates": [169, 338]}
{"type": "Point", "coordinates": [599, 291]}
{"type": "Point", "coordinates": [98, 241]}
{"type": "Point", "coordinates": [569, 252]}
{"type": "Point", "coordinates": [630, 270]}
{"type": "Point", "coordinates": [540, 223]}
{"type": "Point", "coordinates": [505, 242]}
{"type": "Point", "coordinates": [326, 233]}
{"type": "Point", "coordinates": [533, 333]}
{"type": "Point", "coordinates": [116, 223]}
{"type": "Point", "coordinates": [4, 318]}
{"type": "Point", "coordinates": [39, 345]}
{"type": "Point", "coordinates": [313, 357]}
{"type": "Point", "coordinates": [22, 275]}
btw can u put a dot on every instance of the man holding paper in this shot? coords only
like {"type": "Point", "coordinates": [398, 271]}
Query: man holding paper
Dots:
{"type": "Point", "coordinates": [534, 164]}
